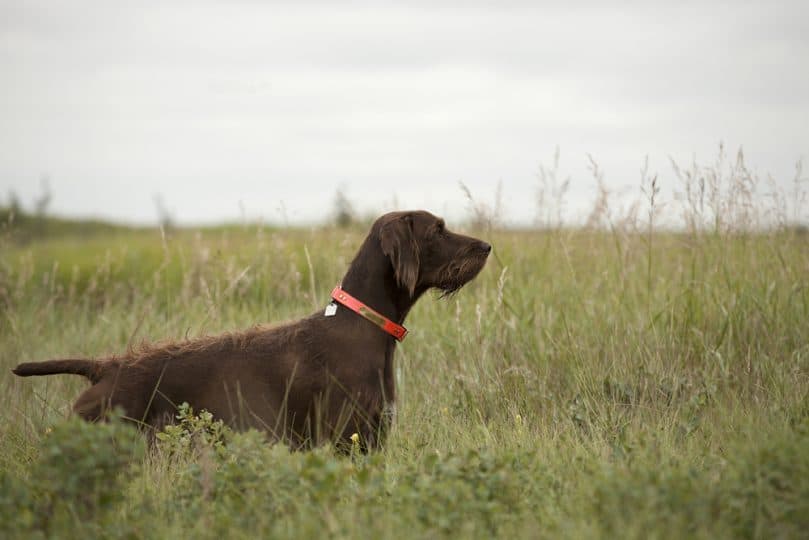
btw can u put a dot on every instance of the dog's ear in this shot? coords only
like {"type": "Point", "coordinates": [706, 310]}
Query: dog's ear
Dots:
{"type": "Point", "coordinates": [399, 244]}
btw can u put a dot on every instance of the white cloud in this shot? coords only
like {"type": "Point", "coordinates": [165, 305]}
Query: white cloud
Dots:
{"type": "Point", "coordinates": [211, 104]}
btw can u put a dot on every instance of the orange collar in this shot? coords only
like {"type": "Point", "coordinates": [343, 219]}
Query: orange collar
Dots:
{"type": "Point", "coordinates": [358, 307]}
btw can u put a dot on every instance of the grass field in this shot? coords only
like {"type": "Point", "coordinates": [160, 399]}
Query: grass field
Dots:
{"type": "Point", "coordinates": [621, 384]}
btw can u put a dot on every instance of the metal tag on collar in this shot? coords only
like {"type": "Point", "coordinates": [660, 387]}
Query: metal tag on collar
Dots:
{"type": "Point", "coordinates": [331, 309]}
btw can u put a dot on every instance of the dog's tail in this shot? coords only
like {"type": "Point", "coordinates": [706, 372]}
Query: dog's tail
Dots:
{"type": "Point", "coordinates": [86, 368]}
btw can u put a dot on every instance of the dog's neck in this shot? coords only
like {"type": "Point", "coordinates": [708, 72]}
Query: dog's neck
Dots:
{"type": "Point", "coordinates": [370, 279]}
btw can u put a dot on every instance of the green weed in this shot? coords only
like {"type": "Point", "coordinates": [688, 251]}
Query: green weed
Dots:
{"type": "Point", "coordinates": [610, 381]}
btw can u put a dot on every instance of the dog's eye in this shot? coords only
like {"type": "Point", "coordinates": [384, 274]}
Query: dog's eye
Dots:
{"type": "Point", "coordinates": [439, 227]}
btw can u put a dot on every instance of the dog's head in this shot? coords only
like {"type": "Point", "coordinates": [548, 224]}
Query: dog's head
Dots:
{"type": "Point", "coordinates": [425, 254]}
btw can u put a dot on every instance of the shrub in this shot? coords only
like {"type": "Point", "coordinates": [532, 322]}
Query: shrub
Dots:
{"type": "Point", "coordinates": [758, 492]}
{"type": "Point", "coordinates": [471, 488]}
{"type": "Point", "coordinates": [16, 507]}
{"type": "Point", "coordinates": [192, 433]}
{"type": "Point", "coordinates": [76, 482]}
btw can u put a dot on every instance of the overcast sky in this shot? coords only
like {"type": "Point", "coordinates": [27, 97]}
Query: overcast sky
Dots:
{"type": "Point", "coordinates": [266, 108]}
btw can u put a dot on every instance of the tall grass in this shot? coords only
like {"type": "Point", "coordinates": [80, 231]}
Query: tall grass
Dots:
{"type": "Point", "coordinates": [612, 380]}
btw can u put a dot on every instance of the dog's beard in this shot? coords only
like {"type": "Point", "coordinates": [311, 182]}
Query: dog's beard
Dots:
{"type": "Point", "coordinates": [455, 275]}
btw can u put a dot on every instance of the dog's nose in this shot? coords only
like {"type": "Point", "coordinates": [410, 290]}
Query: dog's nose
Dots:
{"type": "Point", "coordinates": [483, 246]}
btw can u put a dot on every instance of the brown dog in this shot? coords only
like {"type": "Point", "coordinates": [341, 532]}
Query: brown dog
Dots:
{"type": "Point", "coordinates": [324, 377]}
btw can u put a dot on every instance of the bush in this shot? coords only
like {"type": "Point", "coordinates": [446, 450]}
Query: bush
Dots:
{"type": "Point", "coordinates": [757, 492]}
{"type": "Point", "coordinates": [76, 482]}
{"type": "Point", "coordinates": [465, 490]}
{"type": "Point", "coordinates": [16, 507]}
{"type": "Point", "coordinates": [193, 433]}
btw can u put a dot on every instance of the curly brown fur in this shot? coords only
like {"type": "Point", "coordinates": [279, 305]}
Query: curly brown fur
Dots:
{"type": "Point", "coordinates": [305, 382]}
